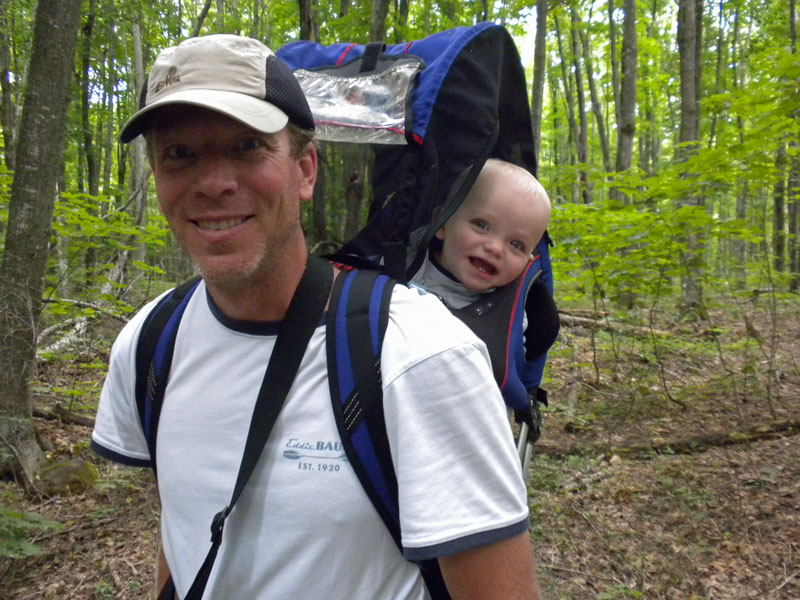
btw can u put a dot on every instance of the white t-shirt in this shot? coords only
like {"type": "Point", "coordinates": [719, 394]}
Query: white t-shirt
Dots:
{"type": "Point", "coordinates": [303, 527]}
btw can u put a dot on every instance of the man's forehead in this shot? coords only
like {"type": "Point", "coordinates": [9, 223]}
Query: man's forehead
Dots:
{"type": "Point", "coordinates": [178, 117]}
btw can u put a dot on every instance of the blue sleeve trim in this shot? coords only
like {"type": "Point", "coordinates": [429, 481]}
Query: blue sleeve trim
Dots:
{"type": "Point", "coordinates": [119, 458]}
{"type": "Point", "coordinates": [475, 540]}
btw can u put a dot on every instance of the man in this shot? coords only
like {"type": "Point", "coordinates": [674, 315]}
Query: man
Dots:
{"type": "Point", "coordinates": [228, 133]}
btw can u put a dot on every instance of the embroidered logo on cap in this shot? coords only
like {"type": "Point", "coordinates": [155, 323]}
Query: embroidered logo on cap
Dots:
{"type": "Point", "coordinates": [171, 77]}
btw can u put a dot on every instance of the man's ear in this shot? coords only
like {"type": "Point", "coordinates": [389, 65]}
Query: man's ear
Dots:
{"type": "Point", "coordinates": [307, 164]}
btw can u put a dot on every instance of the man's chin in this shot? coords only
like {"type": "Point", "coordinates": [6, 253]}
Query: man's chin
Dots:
{"type": "Point", "coordinates": [227, 275]}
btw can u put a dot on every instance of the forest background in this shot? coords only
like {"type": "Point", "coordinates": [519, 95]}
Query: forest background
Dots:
{"type": "Point", "coordinates": [667, 136]}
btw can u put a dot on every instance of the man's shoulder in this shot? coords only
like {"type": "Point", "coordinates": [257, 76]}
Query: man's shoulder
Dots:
{"type": "Point", "coordinates": [419, 316]}
{"type": "Point", "coordinates": [129, 335]}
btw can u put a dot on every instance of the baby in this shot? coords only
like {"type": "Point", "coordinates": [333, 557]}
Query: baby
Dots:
{"type": "Point", "coordinates": [490, 239]}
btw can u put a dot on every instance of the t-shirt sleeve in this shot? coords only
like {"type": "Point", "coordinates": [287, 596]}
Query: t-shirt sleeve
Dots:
{"type": "Point", "coordinates": [459, 477]}
{"type": "Point", "coordinates": [118, 433]}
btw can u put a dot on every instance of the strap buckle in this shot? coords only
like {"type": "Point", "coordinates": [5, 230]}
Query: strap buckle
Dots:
{"type": "Point", "coordinates": [217, 524]}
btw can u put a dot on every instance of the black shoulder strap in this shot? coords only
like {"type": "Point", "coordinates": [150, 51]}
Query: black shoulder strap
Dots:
{"type": "Point", "coordinates": [302, 318]}
{"type": "Point", "coordinates": [357, 320]}
{"type": "Point", "coordinates": [154, 356]}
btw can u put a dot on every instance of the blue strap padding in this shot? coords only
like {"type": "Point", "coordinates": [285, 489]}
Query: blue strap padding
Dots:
{"type": "Point", "coordinates": [375, 311]}
{"type": "Point", "coordinates": [169, 329]}
{"type": "Point", "coordinates": [165, 340]}
{"type": "Point", "coordinates": [515, 392]}
{"type": "Point", "coordinates": [360, 438]}
{"type": "Point", "coordinates": [344, 368]}
{"type": "Point", "coordinates": [543, 249]}
{"type": "Point", "coordinates": [528, 372]}
{"type": "Point", "coordinates": [362, 443]}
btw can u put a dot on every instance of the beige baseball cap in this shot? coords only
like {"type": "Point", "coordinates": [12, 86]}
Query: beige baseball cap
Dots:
{"type": "Point", "coordinates": [236, 76]}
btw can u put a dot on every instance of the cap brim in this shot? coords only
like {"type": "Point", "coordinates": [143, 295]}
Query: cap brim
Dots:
{"type": "Point", "coordinates": [253, 112]}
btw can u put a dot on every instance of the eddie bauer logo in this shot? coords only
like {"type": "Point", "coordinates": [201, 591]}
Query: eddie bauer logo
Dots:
{"type": "Point", "coordinates": [308, 454]}
{"type": "Point", "coordinates": [172, 77]}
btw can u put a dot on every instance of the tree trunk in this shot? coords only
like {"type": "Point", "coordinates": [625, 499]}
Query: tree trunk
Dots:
{"type": "Point", "coordinates": [794, 220]}
{"type": "Point", "coordinates": [449, 10]}
{"type": "Point", "coordinates": [255, 24]}
{"type": "Point", "coordinates": [220, 16]}
{"type": "Point", "coordinates": [612, 41]}
{"type": "Point", "coordinates": [689, 16]}
{"type": "Point", "coordinates": [626, 124]}
{"type": "Point", "coordinates": [740, 246]}
{"type": "Point", "coordinates": [306, 19]}
{"type": "Point", "coordinates": [377, 21]}
{"type": "Point", "coordinates": [582, 140]}
{"type": "Point", "coordinates": [539, 73]}
{"type": "Point", "coordinates": [597, 107]}
{"type": "Point", "coordinates": [779, 210]}
{"type": "Point", "coordinates": [649, 139]}
{"type": "Point", "coordinates": [140, 172]}
{"type": "Point", "coordinates": [354, 193]}
{"type": "Point", "coordinates": [200, 18]}
{"type": "Point", "coordinates": [89, 151]}
{"type": "Point", "coordinates": [108, 136]}
{"type": "Point", "coordinates": [29, 221]}
{"type": "Point", "coordinates": [555, 152]}
{"type": "Point", "coordinates": [401, 20]}
{"type": "Point", "coordinates": [8, 114]}
{"type": "Point", "coordinates": [794, 179]}
{"type": "Point", "coordinates": [718, 71]}
{"type": "Point", "coordinates": [573, 133]}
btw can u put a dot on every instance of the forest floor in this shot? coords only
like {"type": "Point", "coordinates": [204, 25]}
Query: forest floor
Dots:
{"type": "Point", "coordinates": [669, 468]}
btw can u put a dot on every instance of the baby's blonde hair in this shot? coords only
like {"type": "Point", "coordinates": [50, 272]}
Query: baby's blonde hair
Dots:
{"type": "Point", "coordinates": [501, 172]}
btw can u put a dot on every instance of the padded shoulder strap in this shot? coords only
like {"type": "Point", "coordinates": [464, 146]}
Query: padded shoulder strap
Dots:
{"type": "Point", "coordinates": [357, 318]}
{"type": "Point", "coordinates": [154, 351]}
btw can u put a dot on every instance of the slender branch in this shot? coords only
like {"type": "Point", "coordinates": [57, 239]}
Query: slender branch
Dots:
{"type": "Point", "coordinates": [90, 305]}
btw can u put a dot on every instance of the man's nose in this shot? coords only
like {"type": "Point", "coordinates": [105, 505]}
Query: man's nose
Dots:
{"type": "Point", "coordinates": [215, 176]}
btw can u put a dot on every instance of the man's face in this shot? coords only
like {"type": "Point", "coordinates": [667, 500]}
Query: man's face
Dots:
{"type": "Point", "coordinates": [231, 194]}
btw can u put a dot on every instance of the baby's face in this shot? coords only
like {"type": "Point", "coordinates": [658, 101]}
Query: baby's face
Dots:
{"type": "Point", "coordinates": [488, 242]}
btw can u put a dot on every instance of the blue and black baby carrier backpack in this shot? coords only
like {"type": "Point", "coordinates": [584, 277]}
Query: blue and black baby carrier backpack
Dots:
{"type": "Point", "coordinates": [432, 111]}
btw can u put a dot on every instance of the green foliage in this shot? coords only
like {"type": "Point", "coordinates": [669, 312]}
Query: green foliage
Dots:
{"type": "Point", "coordinates": [16, 527]}
{"type": "Point", "coordinates": [80, 226]}
{"type": "Point", "coordinates": [77, 219]}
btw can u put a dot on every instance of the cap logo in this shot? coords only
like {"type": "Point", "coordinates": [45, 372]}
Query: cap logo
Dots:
{"type": "Point", "coordinates": [171, 77]}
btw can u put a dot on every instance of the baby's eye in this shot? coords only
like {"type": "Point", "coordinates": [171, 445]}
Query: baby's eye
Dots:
{"type": "Point", "coordinates": [518, 245]}
{"type": "Point", "coordinates": [480, 224]}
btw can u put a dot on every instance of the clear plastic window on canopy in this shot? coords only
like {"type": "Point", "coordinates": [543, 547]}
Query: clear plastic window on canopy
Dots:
{"type": "Point", "coordinates": [371, 107]}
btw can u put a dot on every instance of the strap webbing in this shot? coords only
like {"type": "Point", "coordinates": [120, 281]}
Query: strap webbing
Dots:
{"type": "Point", "coordinates": [302, 318]}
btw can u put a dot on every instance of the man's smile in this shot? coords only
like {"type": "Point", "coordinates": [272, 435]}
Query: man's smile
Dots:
{"type": "Point", "coordinates": [220, 225]}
